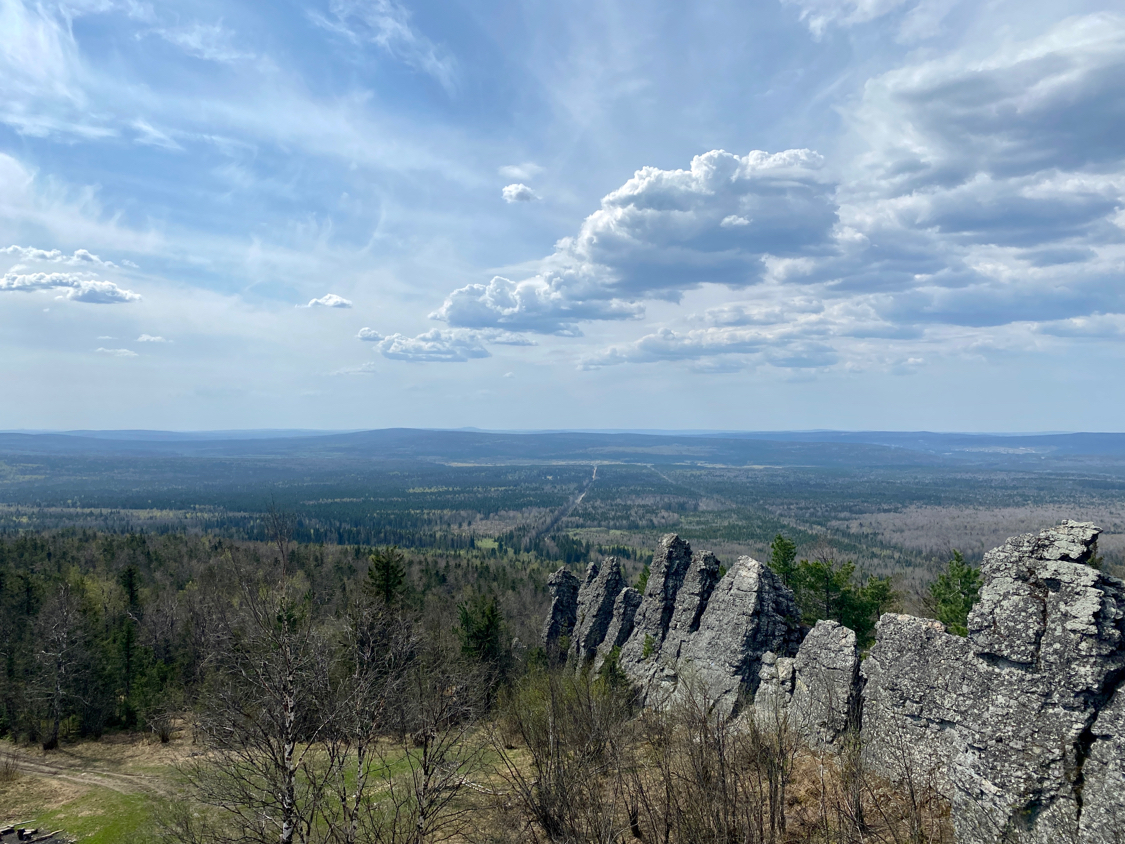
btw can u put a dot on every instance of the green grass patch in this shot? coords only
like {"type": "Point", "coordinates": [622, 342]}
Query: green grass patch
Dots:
{"type": "Point", "coordinates": [104, 817]}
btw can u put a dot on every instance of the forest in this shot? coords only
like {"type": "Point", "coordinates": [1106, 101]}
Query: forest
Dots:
{"type": "Point", "coordinates": [217, 648]}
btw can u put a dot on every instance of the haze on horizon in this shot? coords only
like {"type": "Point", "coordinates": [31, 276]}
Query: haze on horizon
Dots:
{"type": "Point", "coordinates": [360, 214]}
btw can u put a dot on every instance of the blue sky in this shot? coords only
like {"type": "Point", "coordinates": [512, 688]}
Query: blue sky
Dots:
{"type": "Point", "coordinates": [888, 214]}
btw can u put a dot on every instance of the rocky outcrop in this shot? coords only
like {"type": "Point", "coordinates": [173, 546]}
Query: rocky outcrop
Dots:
{"type": "Point", "coordinates": [621, 627]}
{"type": "Point", "coordinates": [596, 598]}
{"type": "Point", "coordinates": [564, 610]}
{"type": "Point", "coordinates": [667, 571]}
{"type": "Point", "coordinates": [750, 613]}
{"type": "Point", "coordinates": [816, 695]}
{"type": "Point", "coordinates": [1018, 724]}
{"type": "Point", "coordinates": [688, 623]}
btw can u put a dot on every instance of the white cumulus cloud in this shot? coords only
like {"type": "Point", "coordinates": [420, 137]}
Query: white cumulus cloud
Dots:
{"type": "Point", "coordinates": [151, 338]}
{"type": "Point", "coordinates": [435, 346]}
{"type": "Point", "coordinates": [330, 300]}
{"type": "Point", "coordinates": [80, 287]}
{"type": "Point", "coordinates": [117, 353]}
{"type": "Point", "coordinates": [519, 193]}
{"type": "Point", "coordinates": [659, 234]}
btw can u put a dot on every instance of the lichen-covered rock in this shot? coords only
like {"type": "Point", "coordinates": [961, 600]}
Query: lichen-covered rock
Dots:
{"type": "Point", "coordinates": [776, 679]}
{"type": "Point", "coordinates": [826, 691]}
{"type": "Point", "coordinates": [1103, 775]}
{"type": "Point", "coordinates": [564, 609]}
{"type": "Point", "coordinates": [691, 600]}
{"type": "Point", "coordinates": [596, 598]}
{"type": "Point", "coordinates": [1004, 722]}
{"type": "Point", "coordinates": [816, 694]}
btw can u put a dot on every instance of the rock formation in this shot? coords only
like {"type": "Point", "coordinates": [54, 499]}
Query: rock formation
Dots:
{"type": "Point", "coordinates": [688, 620]}
{"type": "Point", "coordinates": [817, 693]}
{"type": "Point", "coordinates": [1019, 724]}
{"type": "Point", "coordinates": [564, 609]}
{"type": "Point", "coordinates": [596, 598]}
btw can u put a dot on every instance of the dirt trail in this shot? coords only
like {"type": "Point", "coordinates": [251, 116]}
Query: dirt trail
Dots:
{"type": "Point", "coordinates": [72, 769]}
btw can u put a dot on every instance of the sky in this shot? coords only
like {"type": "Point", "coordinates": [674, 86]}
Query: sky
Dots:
{"type": "Point", "coordinates": [753, 215]}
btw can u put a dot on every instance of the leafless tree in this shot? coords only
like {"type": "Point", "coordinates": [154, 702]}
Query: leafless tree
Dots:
{"type": "Point", "coordinates": [58, 656]}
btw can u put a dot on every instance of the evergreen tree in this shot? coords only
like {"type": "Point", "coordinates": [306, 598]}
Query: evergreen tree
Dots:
{"type": "Point", "coordinates": [953, 594]}
{"type": "Point", "coordinates": [783, 559]}
{"type": "Point", "coordinates": [482, 630]}
{"type": "Point", "coordinates": [387, 575]}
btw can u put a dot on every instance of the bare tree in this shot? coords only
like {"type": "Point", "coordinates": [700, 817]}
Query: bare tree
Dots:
{"type": "Point", "coordinates": [58, 656]}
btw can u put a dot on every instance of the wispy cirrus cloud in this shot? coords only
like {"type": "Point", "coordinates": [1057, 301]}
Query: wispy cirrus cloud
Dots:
{"type": "Point", "coordinates": [386, 24]}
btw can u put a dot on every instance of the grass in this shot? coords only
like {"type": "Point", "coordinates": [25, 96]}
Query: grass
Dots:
{"type": "Point", "coordinates": [104, 817]}
{"type": "Point", "coordinates": [103, 792]}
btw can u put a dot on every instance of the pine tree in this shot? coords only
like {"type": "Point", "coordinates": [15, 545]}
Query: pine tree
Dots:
{"type": "Point", "coordinates": [783, 559]}
{"type": "Point", "coordinates": [953, 594]}
{"type": "Point", "coordinates": [387, 575]}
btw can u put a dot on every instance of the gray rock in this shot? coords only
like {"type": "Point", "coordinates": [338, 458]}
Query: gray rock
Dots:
{"type": "Point", "coordinates": [1006, 722]}
{"type": "Point", "coordinates": [776, 679]}
{"type": "Point", "coordinates": [691, 600]}
{"type": "Point", "coordinates": [564, 609]}
{"type": "Point", "coordinates": [596, 598]}
{"type": "Point", "coordinates": [815, 695]}
{"type": "Point", "coordinates": [1103, 775]}
{"type": "Point", "coordinates": [621, 626]}
{"type": "Point", "coordinates": [750, 612]}
{"type": "Point", "coordinates": [667, 571]}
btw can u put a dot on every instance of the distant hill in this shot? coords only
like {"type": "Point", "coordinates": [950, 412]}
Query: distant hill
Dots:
{"type": "Point", "coordinates": [779, 448]}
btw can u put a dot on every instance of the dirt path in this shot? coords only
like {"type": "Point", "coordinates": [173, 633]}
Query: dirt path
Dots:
{"type": "Point", "coordinates": [71, 769]}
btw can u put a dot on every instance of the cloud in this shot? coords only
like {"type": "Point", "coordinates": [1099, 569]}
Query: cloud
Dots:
{"type": "Point", "coordinates": [519, 193]}
{"type": "Point", "coordinates": [819, 14]}
{"type": "Point", "coordinates": [330, 300]}
{"type": "Point", "coordinates": [443, 346]}
{"type": "Point", "coordinates": [54, 256]}
{"type": "Point", "coordinates": [543, 304]}
{"type": "Point", "coordinates": [152, 137]}
{"type": "Point", "coordinates": [211, 42]}
{"type": "Point", "coordinates": [79, 286]}
{"type": "Point", "coordinates": [917, 19]}
{"type": "Point", "coordinates": [989, 191]}
{"type": "Point", "coordinates": [101, 293]}
{"type": "Point", "coordinates": [659, 234]}
{"type": "Point", "coordinates": [520, 172]}
{"type": "Point", "coordinates": [386, 24]}
{"type": "Point", "coordinates": [1095, 326]}
{"type": "Point", "coordinates": [149, 338]}
{"type": "Point", "coordinates": [435, 346]}
{"type": "Point", "coordinates": [117, 353]}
